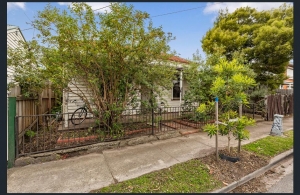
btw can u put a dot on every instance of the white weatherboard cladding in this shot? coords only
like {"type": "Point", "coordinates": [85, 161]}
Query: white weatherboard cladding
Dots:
{"type": "Point", "coordinates": [74, 100]}
{"type": "Point", "coordinates": [14, 36]}
{"type": "Point", "coordinates": [71, 101]}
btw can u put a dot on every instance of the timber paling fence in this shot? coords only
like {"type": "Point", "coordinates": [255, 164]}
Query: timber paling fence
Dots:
{"type": "Point", "coordinates": [279, 104]}
{"type": "Point", "coordinates": [49, 132]}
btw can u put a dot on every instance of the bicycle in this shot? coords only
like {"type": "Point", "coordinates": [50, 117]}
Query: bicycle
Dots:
{"type": "Point", "coordinates": [79, 115]}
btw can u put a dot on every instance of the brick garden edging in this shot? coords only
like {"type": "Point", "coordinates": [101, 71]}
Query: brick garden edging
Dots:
{"type": "Point", "coordinates": [76, 139]}
{"type": "Point", "coordinates": [99, 147]}
{"type": "Point", "coordinates": [93, 137]}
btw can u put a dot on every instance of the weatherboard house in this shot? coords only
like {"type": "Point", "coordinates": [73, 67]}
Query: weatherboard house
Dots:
{"type": "Point", "coordinates": [170, 98]}
{"type": "Point", "coordinates": [14, 36]}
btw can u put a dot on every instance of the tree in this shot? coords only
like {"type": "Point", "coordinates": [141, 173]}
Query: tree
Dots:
{"type": "Point", "coordinates": [232, 79]}
{"type": "Point", "coordinates": [265, 38]}
{"type": "Point", "coordinates": [115, 55]}
{"type": "Point", "coordinates": [200, 76]}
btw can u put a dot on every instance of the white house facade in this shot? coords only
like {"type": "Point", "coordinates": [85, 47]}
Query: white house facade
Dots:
{"type": "Point", "coordinates": [170, 98]}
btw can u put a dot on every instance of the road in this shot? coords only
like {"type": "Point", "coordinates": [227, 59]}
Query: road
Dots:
{"type": "Point", "coordinates": [281, 181]}
{"type": "Point", "coordinates": [285, 185]}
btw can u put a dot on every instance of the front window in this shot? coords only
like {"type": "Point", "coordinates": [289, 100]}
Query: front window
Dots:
{"type": "Point", "coordinates": [176, 89]}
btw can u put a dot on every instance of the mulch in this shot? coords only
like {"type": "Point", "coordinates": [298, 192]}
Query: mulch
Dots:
{"type": "Point", "coordinates": [228, 172]}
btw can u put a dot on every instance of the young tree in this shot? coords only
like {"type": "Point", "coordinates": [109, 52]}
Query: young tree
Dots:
{"type": "Point", "coordinates": [265, 38]}
{"type": "Point", "coordinates": [115, 55]}
{"type": "Point", "coordinates": [232, 79]}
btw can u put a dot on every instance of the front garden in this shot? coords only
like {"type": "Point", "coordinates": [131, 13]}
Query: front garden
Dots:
{"type": "Point", "coordinates": [50, 132]}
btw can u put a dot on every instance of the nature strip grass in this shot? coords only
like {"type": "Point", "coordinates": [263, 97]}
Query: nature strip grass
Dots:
{"type": "Point", "coordinates": [193, 176]}
{"type": "Point", "coordinates": [190, 176]}
{"type": "Point", "coordinates": [272, 145]}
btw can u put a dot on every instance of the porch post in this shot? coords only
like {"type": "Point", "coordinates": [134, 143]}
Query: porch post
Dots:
{"type": "Point", "coordinates": [180, 91]}
{"type": "Point", "coordinates": [65, 109]}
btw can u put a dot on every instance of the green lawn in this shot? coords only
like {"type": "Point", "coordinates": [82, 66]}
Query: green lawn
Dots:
{"type": "Point", "coordinates": [187, 177]}
{"type": "Point", "coordinates": [272, 145]}
{"type": "Point", "coordinates": [193, 176]}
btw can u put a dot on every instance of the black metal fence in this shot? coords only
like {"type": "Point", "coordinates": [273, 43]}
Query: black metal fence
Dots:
{"type": "Point", "coordinates": [51, 132]}
{"type": "Point", "coordinates": [255, 109]}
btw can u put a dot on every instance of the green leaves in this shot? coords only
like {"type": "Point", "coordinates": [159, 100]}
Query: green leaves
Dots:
{"type": "Point", "coordinates": [201, 108]}
{"type": "Point", "coordinates": [264, 37]}
{"type": "Point", "coordinates": [232, 79]}
{"type": "Point", "coordinates": [210, 129]}
{"type": "Point", "coordinates": [199, 76]}
{"type": "Point", "coordinates": [236, 127]}
{"type": "Point", "coordinates": [240, 132]}
{"type": "Point", "coordinates": [218, 86]}
{"type": "Point", "coordinates": [242, 81]}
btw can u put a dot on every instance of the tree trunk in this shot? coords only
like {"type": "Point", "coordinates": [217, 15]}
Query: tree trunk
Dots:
{"type": "Point", "coordinates": [228, 135]}
{"type": "Point", "coordinates": [217, 120]}
{"type": "Point", "coordinates": [229, 143]}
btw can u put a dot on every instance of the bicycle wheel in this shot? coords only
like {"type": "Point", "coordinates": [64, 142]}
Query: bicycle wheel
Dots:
{"type": "Point", "coordinates": [78, 116]}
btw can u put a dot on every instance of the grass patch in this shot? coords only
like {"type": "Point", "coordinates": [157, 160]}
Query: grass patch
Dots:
{"type": "Point", "coordinates": [272, 145]}
{"type": "Point", "coordinates": [187, 177]}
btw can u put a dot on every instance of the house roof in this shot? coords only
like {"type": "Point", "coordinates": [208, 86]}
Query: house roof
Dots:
{"type": "Point", "coordinates": [10, 27]}
{"type": "Point", "coordinates": [179, 59]}
{"type": "Point", "coordinates": [13, 29]}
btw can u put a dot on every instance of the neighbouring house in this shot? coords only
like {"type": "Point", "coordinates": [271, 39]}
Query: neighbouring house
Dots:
{"type": "Point", "coordinates": [171, 98]}
{"type": "Point", "coordinates": [288, 83]}
{"type": "Point", "coordinates": [14, 36]}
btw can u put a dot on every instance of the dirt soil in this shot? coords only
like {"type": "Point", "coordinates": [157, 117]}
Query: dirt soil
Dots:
{"type": "Point", "coordinates": [228, 172]}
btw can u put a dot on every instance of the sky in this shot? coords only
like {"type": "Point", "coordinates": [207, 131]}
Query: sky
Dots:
{"type": "Point", "coordinates": [187, 21]}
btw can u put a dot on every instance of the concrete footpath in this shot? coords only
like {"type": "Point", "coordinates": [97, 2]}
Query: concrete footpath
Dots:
{"type": "Point", "coordinates": [82, 174]}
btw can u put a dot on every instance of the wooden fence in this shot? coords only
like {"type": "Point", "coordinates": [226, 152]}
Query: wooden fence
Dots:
{"type": "Point", "coordinates": [38, 106]}
{"type": "Point", "coordinates": [279, 104]}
